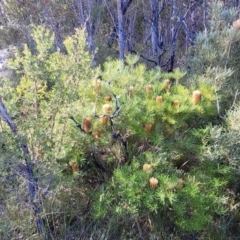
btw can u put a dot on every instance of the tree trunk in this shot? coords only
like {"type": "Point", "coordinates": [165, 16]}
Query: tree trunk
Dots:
{"type": "Point", "coordinates": [84, 18]}
{"type": "Point", "coordinates": [154, 26]}
{"type": "Point", "coordinates": [205, 14]}
{"type": "Point", "coordinates": [113, 34]}
{"type": "Point", "coordinates": [54, 26]}
{"type": "Point", "coordinates": [120, 30]}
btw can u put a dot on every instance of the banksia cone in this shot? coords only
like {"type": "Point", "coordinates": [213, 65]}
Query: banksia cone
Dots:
{"type": "Point", "coordinates": [131, 88]}
{"type": "Point", "coordinates": [147, 167]}
{"type": "Point", "coordinates": [148, 127]}
{"type": "Point", "coordinates": [97, 135]}
{"type": "Point", "coordinates": [167, 85]}
{"type": "Point", "coordinates": [97, 86]}
{"type": "Point", "coordinates": [74, 166]}
{"type": "Point", "coordinates": [236, 24]}
{"type": "Point", "coordinates": [104, 120]}
{"type": "Point", "coordinates": [176, 103]}
{"type": "Point", "coordinates": [149, 88]}
{"type": "Point", "coordinates": [196, 97]}
{"type": "Point", "coordinates": [107, 109]}
{"type": "Point", "coordinates": [159, 99]}
{"type": "Point", "coordinates": [181, 183]}
{"type": "Point", "coordinates": [107, 98]}
{"type": "Point", "coordinates": [153, 182]}
{"type": "Point", "coordinates": [87, 123]}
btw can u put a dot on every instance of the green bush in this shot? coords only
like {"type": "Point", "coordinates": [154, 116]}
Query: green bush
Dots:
{"type": "Point", "coordinates": [91, 131]}
{"type": "Point", "coordinates": [215, 54]}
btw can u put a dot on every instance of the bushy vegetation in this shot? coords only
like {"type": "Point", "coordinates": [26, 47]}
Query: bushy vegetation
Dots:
{"type": "Point", "coordinates": [122, 151]}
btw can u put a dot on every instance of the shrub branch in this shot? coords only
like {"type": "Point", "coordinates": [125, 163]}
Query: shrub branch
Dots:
{"type": "Point", "coordinates": [32, 180]}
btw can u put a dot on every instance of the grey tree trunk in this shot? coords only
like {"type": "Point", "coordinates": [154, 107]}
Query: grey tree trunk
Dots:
{"type": "Point", "coordinates": [205, 14]}
{"type": "Point", "coordinates": [84, 18]}
{"type": "Point", "coordinates": [154, 26]}
{"type": "Point", "coordinates": [33, 189]}
{"type": "Point", "coordinates": [113, 35]}
{"type": "Point", "coordinates": [53, 25]}
{"type": "Point", "coordinates": [120, 30]}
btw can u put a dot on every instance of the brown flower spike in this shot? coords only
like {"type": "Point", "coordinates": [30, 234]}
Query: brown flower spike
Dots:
{"type": "Point", "coordinates": [196, 97]}
{"type": "Point", "coordinates": [153, 182]}
{"type": "Point", "coordinates": [159, 99]}
{"type": "Point", "coordinates": [147, 167]}
{"type": "Point", "coordinates": [106, 108]}
{"type": "Point", "coordinates": [87, 123]}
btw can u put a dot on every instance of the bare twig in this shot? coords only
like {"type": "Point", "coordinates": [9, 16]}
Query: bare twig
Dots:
{"type": "Point", "coordinates": [218, 104]}
{"type": "Point", "coordinates": [237, 93]}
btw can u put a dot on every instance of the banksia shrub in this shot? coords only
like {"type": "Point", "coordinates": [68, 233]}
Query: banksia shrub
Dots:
{"type": "Point", "coordinates": [149, 157]}
{"type": "Point", "coordinates": [216, 54]}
